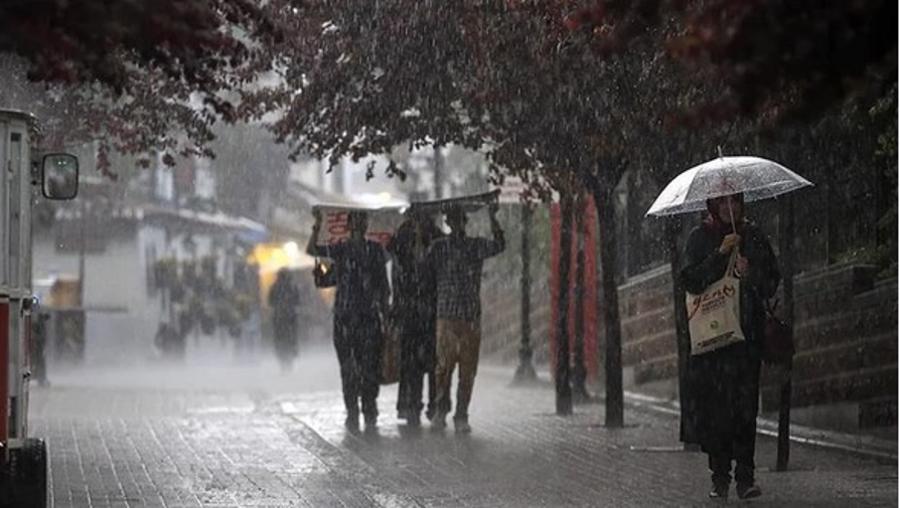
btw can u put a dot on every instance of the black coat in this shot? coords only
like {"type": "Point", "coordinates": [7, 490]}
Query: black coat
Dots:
{"type": "Point", "coordinates": [704, 265]}
{"type": "Point", "coordinates": [284, 300]}
{"type": "Point", "coordinates": [724, 383]}
{"type": "Point", "coordinates": [416, 292]}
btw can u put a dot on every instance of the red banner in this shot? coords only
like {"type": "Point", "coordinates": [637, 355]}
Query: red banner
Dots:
{"type": "Point", "coordinates": [588, 226]}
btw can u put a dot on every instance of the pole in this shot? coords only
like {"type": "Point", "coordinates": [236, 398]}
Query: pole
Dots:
{"type": "Point", "coordinates": [563, 386]}
{"type": "Point", "coordinates": [82, 220]}
{"type": "Point", "coordinates": [786, 238]}
{"type": "Point", "coordinates": [438, 173]}
{"type": "Point", "coordinates": [525, 371]}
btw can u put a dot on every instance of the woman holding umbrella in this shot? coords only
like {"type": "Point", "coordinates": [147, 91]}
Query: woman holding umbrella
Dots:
{"type": "Point", "coordinates": [726, 381]}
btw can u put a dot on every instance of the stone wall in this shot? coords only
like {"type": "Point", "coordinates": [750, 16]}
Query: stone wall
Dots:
{"type": "Point", "coordinates": [845, 334]}
{"type": "Point", "coordinates": [846, 338]}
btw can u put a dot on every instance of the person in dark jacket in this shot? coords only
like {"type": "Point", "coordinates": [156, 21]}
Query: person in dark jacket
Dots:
{"type": "Point", "coordinates": [414, 308]}
{"type": "Point", "coordinates": [359, 307]}
{"type": "Point", "coordinates": [725, 381]}
{"type": "Point", "coordinates": [284, 300]}
{"type": "Point", "coordinates": [39, 328]}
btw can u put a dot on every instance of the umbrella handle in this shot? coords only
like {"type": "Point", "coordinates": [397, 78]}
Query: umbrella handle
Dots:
{"type": "Point", "coordinates": [731, 214]}
{"type": "Point", "coordinates": [732, 262]}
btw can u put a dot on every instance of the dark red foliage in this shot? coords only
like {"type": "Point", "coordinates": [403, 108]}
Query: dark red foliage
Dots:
{"type": "Point", "coordinates": [132, 73]}
{"type": "Point", "coordinates": [82, 41]}
{"type": "Point", "coordinates": [784, 58]}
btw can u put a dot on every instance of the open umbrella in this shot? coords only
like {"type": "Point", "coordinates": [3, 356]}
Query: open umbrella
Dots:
{"type": "Point", "coordinates": [755, 177]}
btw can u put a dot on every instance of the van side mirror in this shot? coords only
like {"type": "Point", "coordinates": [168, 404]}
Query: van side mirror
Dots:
{"type": "Point", "coordinates": [59, 176]}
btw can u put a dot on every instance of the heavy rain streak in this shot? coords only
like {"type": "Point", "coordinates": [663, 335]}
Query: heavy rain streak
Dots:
{"type": "Point", "coordinates": [492, 253]}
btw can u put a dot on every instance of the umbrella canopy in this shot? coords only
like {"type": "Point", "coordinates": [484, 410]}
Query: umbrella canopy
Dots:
{"type": "Point", "coordinates": [755, 177]}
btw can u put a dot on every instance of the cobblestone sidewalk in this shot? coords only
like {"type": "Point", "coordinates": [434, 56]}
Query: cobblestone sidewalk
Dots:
{"type": "Point", "coordinates": [224, 447]}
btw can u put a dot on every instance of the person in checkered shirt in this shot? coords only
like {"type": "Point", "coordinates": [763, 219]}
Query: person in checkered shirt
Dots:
{"type": "Point", "coordinates": [458, 260]}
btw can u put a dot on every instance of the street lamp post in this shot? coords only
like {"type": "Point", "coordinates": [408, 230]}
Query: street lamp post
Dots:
{"type": "Point", "coordinates": [786, 225]}
{"type": "Point", "coordinates": [438, 173]}
{"type": "Point", "coordinates": [525, 372]}
{"type": "Point", "coordinates": [82, 225]}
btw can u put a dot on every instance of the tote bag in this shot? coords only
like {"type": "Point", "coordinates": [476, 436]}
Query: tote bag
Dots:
{"type": "Point", "coordinates": [390, 353]}
{"type": "Point", "coordinates": [715, 315]}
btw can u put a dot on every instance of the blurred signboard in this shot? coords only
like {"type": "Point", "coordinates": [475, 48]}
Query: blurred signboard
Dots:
{"type": "Point", "coordinates": [335, 225]}
{"type": "Point", "coordinates": [385, 220]}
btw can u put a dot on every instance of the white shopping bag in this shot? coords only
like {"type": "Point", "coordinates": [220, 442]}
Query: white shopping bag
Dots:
{"type": "Point", "coordinates": [715, 315]}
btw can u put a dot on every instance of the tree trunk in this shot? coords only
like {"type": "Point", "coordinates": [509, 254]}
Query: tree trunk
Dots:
{"type": "Point", "coordinates": [563, 387]}
{"type": "Point", "coordinates": [609, 292]}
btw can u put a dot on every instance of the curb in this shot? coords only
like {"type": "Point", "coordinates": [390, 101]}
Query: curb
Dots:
{"type": "Point", "coordinates": [867, 446]}
{"type": "Point", "coordinates": [863, 445]}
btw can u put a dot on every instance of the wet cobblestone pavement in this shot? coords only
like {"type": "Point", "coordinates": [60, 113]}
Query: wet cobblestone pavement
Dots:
{"type": "Point", "coordinates": [237, 437]}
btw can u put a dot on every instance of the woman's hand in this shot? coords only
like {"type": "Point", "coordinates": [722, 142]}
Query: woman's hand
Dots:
{"type": "Point", "coordinates": [729, 243]}
{"type": "Point", "coordinates": [741, 266]}
{"type": "Point", "coordinates": [317, 224]}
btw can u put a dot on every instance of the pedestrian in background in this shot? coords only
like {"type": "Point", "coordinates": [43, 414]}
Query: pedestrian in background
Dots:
{"type": "Point", "coordinates": [360, 304]}
{"type": "Point", "coordinates": [458, 261]}
{"type": "Point", "coordinates": [414, 309]}
{"type": "Point", "coordinates": [284, 300]}
{"type": "Point", "coordinates": [725, 381]}
{"type": "Point", "coordinates": [39, 329]}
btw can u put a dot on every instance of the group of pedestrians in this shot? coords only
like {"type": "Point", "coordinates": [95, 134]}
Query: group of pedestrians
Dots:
{"type": "Point", "coordinates": [436, 309]}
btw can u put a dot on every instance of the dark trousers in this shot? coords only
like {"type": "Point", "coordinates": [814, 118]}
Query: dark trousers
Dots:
{"type": "Point", "coordinates": [728, 395]}
{"type": "Point", "coordinates": [412, 381]}
{"type": "Point", "coordinates": [417, 360]}
{"type": "Point", "coordinates": [285, 338]}
{"type": "Point", "coordinates": [358, 343]}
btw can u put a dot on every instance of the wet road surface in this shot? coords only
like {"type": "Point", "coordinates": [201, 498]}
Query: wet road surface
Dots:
{"type": "Point", "coordinates": [223, 434]}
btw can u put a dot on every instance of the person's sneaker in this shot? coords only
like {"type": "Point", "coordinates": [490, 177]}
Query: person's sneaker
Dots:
{"type": "Point", "coordinates": [439, 422]}
{"type": "Point", "coordinates": [413, 420]}
{"type": "Point", "coordinates": [351, 423]}
{"type": "Point", "coordinates": [371, 421]}
{"type": "Point", "coordinates": [719, 491]}
{"type": "Point", "coordinates": [748, 491]}
{"type": "Point", "coordinates": [462, 426]}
